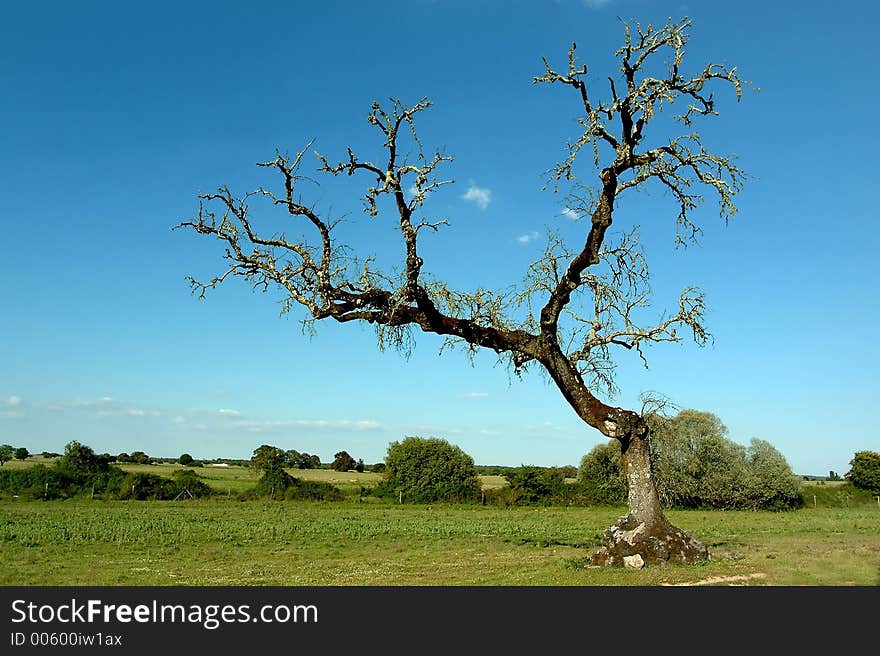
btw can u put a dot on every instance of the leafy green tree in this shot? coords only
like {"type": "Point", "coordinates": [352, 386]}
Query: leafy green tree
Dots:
{"type": "Point", "coordinates": [21, 453]}
{"type": "Point", "coordinates": [695, 465]}
{"type": "Point", "coordinates": [6, 453]}
{"type": "Point", "coordinates": [307, 461]}
{"type": "Point", "coordinates": [359, 467]}
{"type": "Point", "coordinates": [80, 460]}
{"type": "Point", "coordinates": [834, 476]}
{"type": "Point", "coordinates": [123, 457]}
{"type": "Point", "coordinates": [291, 458]}
{"type": "Point", "coordinates": [864, 471]}
{"type": "Point", "coordinates": [601, 475]}
{"type": "Point", "coordinates": [429, 469]}
{"type": "Point", "coordinates": [268, 459]}
{"type": "Point", "coordinates": [772, 484]}
{"type": "Point", "coordinates": [342, 462]}
{"type": "Point", "coordinates": [139, 458]}
{"type": "Point", "coordinates": [185, 459]}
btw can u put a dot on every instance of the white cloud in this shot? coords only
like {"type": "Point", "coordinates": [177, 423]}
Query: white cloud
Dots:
{"type": "Point", "coordinates": [413, 190]}
{"type": "Point", "coordinates": [13, 400]}
{"type": "Point", "coordinates": [569, 213]}
{"type": "Point", "coordinates": [265, 425]}
{"type": "Point", "coordinates": [136, 412]}
{"type": "Point", "coordinates": [525, 239]}
{"type": "Point", "coordinates": [475, 395]}
{"type": "Point", "coordinates": [479, 195]}
{"type": "Point", "coordinates": [486, 431]}
{"type": "Point", "coordinates": [228, 411]}
{"type": "Point", "coordinates": [179, 420]}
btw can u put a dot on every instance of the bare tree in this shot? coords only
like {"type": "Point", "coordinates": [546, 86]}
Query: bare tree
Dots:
{"type": "Point", "coordinates": [576, 304]}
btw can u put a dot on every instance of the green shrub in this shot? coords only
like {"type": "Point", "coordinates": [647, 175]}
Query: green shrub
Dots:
{"type": "Point", "coordinates": [278, 484]}
{"type": "Point", "coordinates": [313, 491]}
{"type": "Point", "coordinates": [864, 472]}
{"type": "Point", "coordinates": [600, 476]}
{"type": "Point", "coordinates": [37, 482]}
{"type": "Point", "coordinates": [141, 486]}
{"type": "Point", "coordinates": [424, 470]}
{"type": "Point", "coordinates": [343, 462]}
{"type": "Point", "coordinates": [530, 484]}
{"type": "Point", "coordinates": [696, 466]}
{"type": "Point", "coordinates": [190, 484]}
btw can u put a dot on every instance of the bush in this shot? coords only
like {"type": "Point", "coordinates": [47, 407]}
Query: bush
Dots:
{"type": "Point", "coordinates": [531, 484]}
{"type": "Point", "coordinates": [424, 470]}
{"type": "Point", "coordinates": [139, 458]}
{"type": "Point", "coordinates": [185, 459]}
{"type": "Point", "coordinates": [22, 453]}
{"type": "Point", "coordinates": [342, 462]}
{"type": "Point", "coordinates": [864, 472]}
{"type": "Point", "coordinates": [268, 459]}
{"type": "Point", "coordinates": [600, 475]}
{"type": "Point", "coordinates": [189, 484]}
{"type": "Point", "coordinates": [81, 462]}
{"type": "Point", "coordinates": [306, 461]}
{"type": "Point", "coordinates": [37, 482]}
{"type": "Point", "coordinates": [278, 484]}
{"type": "Point", "coordinates": [696, 466]}
{"type": "Point", "coordinates": [137, 485]}
{"type": "Point", "coordinates": [772, 485]}
{"type": "Point", "coordinates": [312, 491]}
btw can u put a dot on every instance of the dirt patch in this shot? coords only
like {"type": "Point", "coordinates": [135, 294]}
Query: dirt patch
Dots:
{"type": "Point", "coordinates": [728, 580]}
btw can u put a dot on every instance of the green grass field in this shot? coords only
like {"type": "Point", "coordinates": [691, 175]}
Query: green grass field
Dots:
{"type": "Point", "coordinates": [226, 542]}
{"type": "Point", "coordinates": [833, 541]}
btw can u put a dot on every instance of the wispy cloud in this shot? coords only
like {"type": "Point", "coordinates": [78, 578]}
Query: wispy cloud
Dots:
{"type": "Point", "coordinates": [529, 237]}
{"type": "Point", "coordinates": [569, 213]}
{"type": "Point", "coordinates": [475, 395]}
{"type": "Point", "coordinates": [479, 195]}
{"type": "Point", "coordinates": [269, 425]}
{"type": "Point", "coordinates": [13, 400]}
{"type": "Point", "coordinates": [228, 411]}
{"type": "Point", "coordinates": [136, 412]}
{"type": "Point", "coordinates": [486, 431]}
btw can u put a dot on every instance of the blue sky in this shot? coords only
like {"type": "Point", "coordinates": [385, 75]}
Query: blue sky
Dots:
{"type": "Point", "coordinates": [116, 115]}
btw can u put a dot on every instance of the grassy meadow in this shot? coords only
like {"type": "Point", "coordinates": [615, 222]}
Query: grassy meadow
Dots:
{"type": "Point", "coordinates": [833, 541]}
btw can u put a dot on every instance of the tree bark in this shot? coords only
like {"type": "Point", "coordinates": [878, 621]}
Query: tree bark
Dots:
{"type": "Point", "coordinates": [644, 536]}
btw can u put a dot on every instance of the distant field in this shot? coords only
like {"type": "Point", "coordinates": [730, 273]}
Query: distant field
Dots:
{"type": "Point", "coordinates": [234, 479]}
{"type": "Point", "coordinates": [226, 542]}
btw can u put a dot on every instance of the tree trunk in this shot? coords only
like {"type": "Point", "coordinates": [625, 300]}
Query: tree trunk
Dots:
{"type": "Point", "coordinates": [644, 536]}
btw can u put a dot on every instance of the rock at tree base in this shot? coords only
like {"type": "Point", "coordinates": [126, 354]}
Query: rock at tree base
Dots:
{"type": "Point", "coordinates": [657, 544]}
{"type": "Point", "coordinates": [633, 562]}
